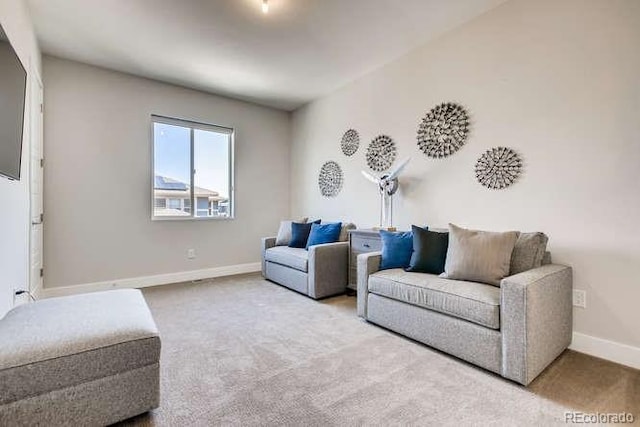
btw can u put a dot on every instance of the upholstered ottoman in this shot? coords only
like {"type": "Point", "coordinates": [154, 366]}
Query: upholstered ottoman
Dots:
{"type": "Point", "coordinates": [89, 359]}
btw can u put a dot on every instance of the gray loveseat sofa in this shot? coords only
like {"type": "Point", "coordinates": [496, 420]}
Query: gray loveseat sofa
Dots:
{"type": "Point", "coordinates": [320, 272]}
{"type": "Point", "coordinates": [515, 330]}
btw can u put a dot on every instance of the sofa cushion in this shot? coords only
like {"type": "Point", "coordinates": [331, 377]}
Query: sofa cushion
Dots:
{"type": "Point", "coordinates": [475, 302]}
{"type": "Point", "coordinates": [479, 256]}
{"type": "Point", "coordinates": [528, 252]}
{"type": "Point", "coordinates": [396, 249]}
{"type": "Point", "coordinates": [284, 232]}
{"type": "Point", "coordinates": [324, 233]}
{"type": "Point", "coordinates": [429, 251]}
{"type": "Point", "coordinates": [297, 258]}
{"type": "Point", "coordinates": [61, 342]}
{"type": "Point", "coordinates": [300, 233]}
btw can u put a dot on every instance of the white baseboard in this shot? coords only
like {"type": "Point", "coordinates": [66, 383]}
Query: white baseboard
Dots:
{"type": "Point", "coordinates": [610, 350]}
{"type": "Point", "coordinates": [146, 281]}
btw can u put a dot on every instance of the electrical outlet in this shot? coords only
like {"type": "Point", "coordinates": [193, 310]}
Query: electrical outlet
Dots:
{"type": "Point", "coordinates": [191, 253]}
{"type": "Point", "coordinates": [20, 296]}
{"type": "Point", "coordinates": [580, 298]}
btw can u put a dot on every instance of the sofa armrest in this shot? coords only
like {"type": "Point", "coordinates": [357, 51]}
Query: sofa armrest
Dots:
{"type": "Point", "coordinates": [328, 269]}
{"type": "Point", "coordinates": [536, 317]}
{"type": "Point", "coordinates": [266, 243]}
{"type": "Point", "coordinates": [368, 264]}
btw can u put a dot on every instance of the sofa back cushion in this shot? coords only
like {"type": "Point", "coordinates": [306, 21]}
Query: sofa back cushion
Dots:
{"type": "Point", "coordinates": [429, 251]}
{"type": "Point", "coordinates": [324, 233]}
{"type": "Point", "coordinates": [479, 256]}
{"type": "Point", "coordinates": [396, 249]}
{"type": "Point", "coordinates": [344, 232]}
{"type": "Point", "coordinates": [528, 252]}
{"type": "Point", "coordinates": [284, 232]}
{"type": "Point", "coordinates": [300, 233]}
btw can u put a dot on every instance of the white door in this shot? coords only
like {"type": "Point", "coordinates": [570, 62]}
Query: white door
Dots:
{"type": "Point", "coordinates": [36, 188]}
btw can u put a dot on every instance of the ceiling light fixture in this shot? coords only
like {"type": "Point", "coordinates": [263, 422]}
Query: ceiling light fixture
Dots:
{"type": "Point", "coordinates": [265, 6]}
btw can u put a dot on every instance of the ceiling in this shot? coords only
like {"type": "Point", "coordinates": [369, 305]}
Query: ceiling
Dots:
{"type": "Point", "coordinates": [300, 50]}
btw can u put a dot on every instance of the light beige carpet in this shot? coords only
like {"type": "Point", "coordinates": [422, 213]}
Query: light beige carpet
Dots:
{"type": "Point", "coordinates": [244, 351]}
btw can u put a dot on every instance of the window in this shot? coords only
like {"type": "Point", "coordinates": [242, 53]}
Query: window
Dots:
{"type": "Point", "coordinates": [174, 204]}
{"type": "Point", "coordinates": [160, 203]}
{"type": "Point", "coordinates": [192, 166]}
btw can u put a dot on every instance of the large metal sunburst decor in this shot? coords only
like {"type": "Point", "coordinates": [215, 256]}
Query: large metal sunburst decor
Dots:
{"type": "Point", "coordinates": [381, 153]}
{"type": "Point", "coordinates": [330, 179]}
{"type": "Point", "coordinates": [498, 168]}
{"type": "Point", "coordinates": [444, 130]}
{"type": "Point", "coordinates": [350, 142]}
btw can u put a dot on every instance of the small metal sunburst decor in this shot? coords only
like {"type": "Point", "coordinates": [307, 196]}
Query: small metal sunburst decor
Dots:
{"type": "Point", "coordinates": [498, 168]}
{"type": "Point", "coordinates": [444, 130]}
{"type": "Point", "coordinates": [381, 153]}
{"type": "Point", "coordinates": [330, 179]}
{"type": "Point", "coordinates": [350, 142]}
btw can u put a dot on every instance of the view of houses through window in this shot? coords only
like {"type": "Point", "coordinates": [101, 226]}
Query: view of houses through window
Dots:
{"type": "Point", "coordinates": [192, 170]}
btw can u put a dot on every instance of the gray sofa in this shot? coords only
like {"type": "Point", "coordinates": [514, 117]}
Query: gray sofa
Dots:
{"type": "Point", "coordinates": [89, 359]}
{"type": "Point", "coordinates": [515, 330]}
{"type": "Point", "coordinates": [319, 272]}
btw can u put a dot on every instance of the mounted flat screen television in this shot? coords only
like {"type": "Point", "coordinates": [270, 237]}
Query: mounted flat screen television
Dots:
{"type": "Point", "coordinates": [13, 85]}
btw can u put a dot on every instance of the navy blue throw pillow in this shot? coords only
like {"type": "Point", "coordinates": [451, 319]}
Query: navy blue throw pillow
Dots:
{"type": "Point", "coordinates": [429, 251]}
{"type": "Point", "coordinates": [300, 233]}
{"type": "Point", "coordinates": [324, 233]}
{"type": "Point", "coordinates": [396, 249]}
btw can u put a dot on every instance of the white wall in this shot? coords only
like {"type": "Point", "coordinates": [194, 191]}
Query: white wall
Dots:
{"type": "Point", "coordinates": [98, 178]}
{"type": "Point", "coordinates": [559, 81]}
{"type": "Point", "coordinates": [14, 195]}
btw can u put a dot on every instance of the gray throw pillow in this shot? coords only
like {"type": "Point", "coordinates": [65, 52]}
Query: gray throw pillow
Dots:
{"type": "Point", "coordinates": [528, 252]}
{"type": "Point", "coordinates": [284, 232]}
{"type": "Point", "coordinates": [479, 256]}
{"type": "Point", "coordinates": [344, 232]}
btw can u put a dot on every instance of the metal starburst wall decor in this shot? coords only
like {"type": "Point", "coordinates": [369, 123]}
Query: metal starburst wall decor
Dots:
{"type": "Point", "coordinates": [443, 130]}
{"type": "Point", "coordinates": [330, 179]}
{"type": "Point", "coordinates": [350, 142]}
{"type": "Point", "coordinates": [381, 153]}
{"type": "Point", "coordinates": [498, 168]}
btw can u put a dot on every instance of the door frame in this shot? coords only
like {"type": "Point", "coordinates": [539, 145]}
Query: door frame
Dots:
{"type": "Point", "coordinates": [36, 130]}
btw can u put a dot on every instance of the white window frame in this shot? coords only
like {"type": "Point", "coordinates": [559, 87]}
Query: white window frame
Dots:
{"type": "Point", "coordinates": [192, 125]}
